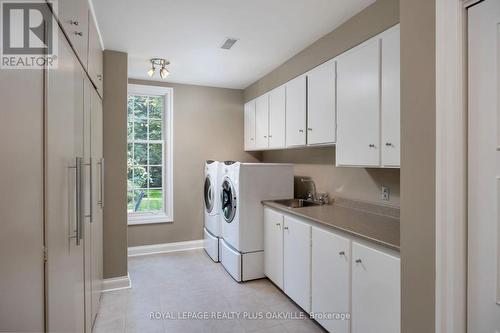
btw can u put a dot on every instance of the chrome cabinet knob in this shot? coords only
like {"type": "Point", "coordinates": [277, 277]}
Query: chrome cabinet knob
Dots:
{"type": "Point", "coordinates": [99, 77]}
{"type": "Point", "coordinates": [301, 131]}
{"type": "Point", "coordinates": [341, 253]}
{"type": "Point", "coordinates": [286, 228]}
{"type": "Point", "coordinates": [371, 145]}
{"type": "Point", "coordinates": [358, 261]}
{"type": "Point", "coordinates": [72, 22]}
{"type": "Point", "coordinates": [309, 129]}
{"type": "Point", "coordinates": [388, 144]}
{"type": "Point", "coordinates": [79, 33]}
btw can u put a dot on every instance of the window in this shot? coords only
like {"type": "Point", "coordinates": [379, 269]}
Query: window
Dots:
{"type": "Point", "coordinates": [149, 155]}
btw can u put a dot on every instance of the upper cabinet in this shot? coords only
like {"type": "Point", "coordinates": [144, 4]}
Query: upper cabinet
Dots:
{"type": "Point", "coordinates": [352, 101]}
{"type": "Point", "coordinates": [249, 125]}
{"type": "Point", "coordinates": [368, 103]}
{"type": "Point", "coordinates": [321, 104]}
{"type": "Point", "coordinates": [262, 122]}
{"type": "Point", "coordinates": [358, 100]}
{"type": "Point", "coordinates": [74, 18]}
{"type": "Point", "coordinates": [296, 110]}
{"type": "Point", "coordinates": [95, 54]}
{"type": "Point", "coordinates": [277, 118]}
{"type": "Point", "coordinates": [390, 103]}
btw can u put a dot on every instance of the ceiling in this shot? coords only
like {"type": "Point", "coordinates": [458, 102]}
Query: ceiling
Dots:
{"type": "Point", "coordinates": [189, 34]}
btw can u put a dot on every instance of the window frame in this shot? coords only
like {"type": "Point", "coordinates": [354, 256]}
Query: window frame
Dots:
{"type": "Point", "coordinates": [167, 216]}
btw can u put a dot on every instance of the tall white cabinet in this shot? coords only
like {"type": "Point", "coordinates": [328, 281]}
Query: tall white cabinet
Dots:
{"type": "Point", "coordinates": [368, 103]}
{"type": "Point", "coordinates": [277, 117]}
{"type": "Point", "coordinates": [358, 101]}
{"type": "Point", "coordinates": [51, 253]}
{"type": "Point", "coordinates": [249, 126]}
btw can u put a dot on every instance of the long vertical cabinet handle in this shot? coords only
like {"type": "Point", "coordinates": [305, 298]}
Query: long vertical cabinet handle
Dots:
{"type": "Point", "coordinates": [80, 207]}
{"type": "Point", "coordinates": [101, 202]}
{"type": "Point", "coordinates": [91, 191]}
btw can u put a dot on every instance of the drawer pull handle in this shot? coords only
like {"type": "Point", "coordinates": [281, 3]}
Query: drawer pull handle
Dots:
{"type": "Point", "coordinates": [358, 261]}
{"type": "Point", "coordinates": [341, 253]}
{"type": "Point", "coordinates": [79, 33]}
{"type": "Point", "coordinates": [286, 228]}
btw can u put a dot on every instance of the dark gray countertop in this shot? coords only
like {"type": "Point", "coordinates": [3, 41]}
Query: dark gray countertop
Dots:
{"type": "Point", "coordinates": [365, 221]}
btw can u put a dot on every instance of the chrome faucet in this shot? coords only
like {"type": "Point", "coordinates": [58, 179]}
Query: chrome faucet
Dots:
{"type": "Point", "coordinates": [310, 196]}
{"type": "Point", "coordinates": [313, 196]}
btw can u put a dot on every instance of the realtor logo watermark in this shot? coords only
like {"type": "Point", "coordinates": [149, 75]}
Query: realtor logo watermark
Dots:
{"type": "Point", "coordinates": [28, 35]}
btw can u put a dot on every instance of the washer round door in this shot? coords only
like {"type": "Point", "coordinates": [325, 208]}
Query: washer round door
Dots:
{"type": "Point", "coordinates": [208, 192]}
{"type": "Point", "coordinates": [228, 200]}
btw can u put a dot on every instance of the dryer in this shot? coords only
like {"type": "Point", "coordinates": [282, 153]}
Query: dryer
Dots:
{"type": "Point", "coordinates": [243, 188]}
{"type": "Point", "coordinates": [211, 209]}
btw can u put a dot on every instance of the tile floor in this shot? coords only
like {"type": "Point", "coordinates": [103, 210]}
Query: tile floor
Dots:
{"type": "Point", "coordinates": [181, 283]}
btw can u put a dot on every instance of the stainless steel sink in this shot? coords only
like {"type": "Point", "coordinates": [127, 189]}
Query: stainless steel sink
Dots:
{"type": "Point", "coordinates": [297, 203]}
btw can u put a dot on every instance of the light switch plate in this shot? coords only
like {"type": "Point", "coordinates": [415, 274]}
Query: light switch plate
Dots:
{"type": "Point", "coordinates": [386, 192]}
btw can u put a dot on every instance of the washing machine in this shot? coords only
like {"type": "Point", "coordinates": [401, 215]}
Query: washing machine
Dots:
{"type": "Point", "coordinates": [243, 188]}
{"type": "Point", "coordinates": [211, 205]}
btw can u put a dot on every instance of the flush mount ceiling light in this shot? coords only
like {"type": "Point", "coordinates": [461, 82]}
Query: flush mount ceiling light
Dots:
{"type": "Point", "coordinates": [162, 64]}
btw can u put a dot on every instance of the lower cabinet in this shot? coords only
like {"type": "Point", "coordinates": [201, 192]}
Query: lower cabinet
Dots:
{"type": "Point", "coordinates": [273, 243]}
{"type": "Point", "coordinates": [331, 279]}
{"type": "Point", "coordinates": [347, 286]}
{"type": "Point", "coordinates": [375, 291]}
{"type": "Point", "coordinates": [297, 261]}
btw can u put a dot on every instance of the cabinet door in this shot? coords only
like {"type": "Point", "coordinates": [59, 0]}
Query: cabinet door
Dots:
{"type": "Point", "coordinates": [262, 122]}
{"type": "Point", "coordinates": [296, 112]}
{"type": "Point", "coordinates": [297, 261]}
{"type": "Point", "coordinates": [277, 118]}
{"type": "Point", "coordinates": [391, 107]}
{"type": "Point", "coordinates": [74, 18]}
{"type": "Point", "coordinates": [97, 201]}
{"type": "Point", "coordinates": [64, 143]}
{"type": "Point", "coordinates": [87, 234]}
{"type": "Point", "coordinates": [358, 113]}
{"type": "Point", "coordinates": [330, 278]}
{"type": "Point", "coordinates": [273, 246]}
{"type": "Point", "coordinates": [321, 122]}
{"type": "Point", "coordinates": [375, 291]}
{"type": "Point", "coordinates": [249, 125]}
{"type": "Point", "coordinates": [95, 56]}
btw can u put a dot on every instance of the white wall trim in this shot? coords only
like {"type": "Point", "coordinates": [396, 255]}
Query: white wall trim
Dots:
{"type": "Point", "coordinates": [451, 167]}
{"type": "Point", "coordinates": [144, 250]}
{"type": "Point", "coordinates": [117, 283]}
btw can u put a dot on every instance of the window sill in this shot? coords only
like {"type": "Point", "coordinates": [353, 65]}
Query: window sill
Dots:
{"type": "Point", "coordinates": [139, 220]}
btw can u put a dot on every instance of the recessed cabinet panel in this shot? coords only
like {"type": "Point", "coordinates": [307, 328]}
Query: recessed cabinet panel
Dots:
{"type": "Point", "coordinates": [262, 122]}
{"type": "Point", "coordinates": [390, 141]}
{"type": "Point", "coordinates": [321, 120]}
{"type": "Point", "coordinates": [249, 125]}
{"type": "Point", "coordinates": [331, 264]}
{"type": "Point", "coordinates": [273, 245]}
{"type": "Point", "coordinates": [297, 261]}
{"type": "Point", "coordinates": [358, 100]}
{"type": "Point", "coordinates": [74, 18]}
{"type": "Point", "coordinates": [375, 291]}
{"type": "Point", "coordinates": [296, 98]}
{"type": "Point", "coordinates": [95, 68]}
{"type": "Point", "coordinates": [277, 117]}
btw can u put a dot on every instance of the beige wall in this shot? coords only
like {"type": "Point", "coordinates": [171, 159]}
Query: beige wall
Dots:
{"type": "Point", "coordinates": [368, 23]}
{"type": "Point", "coordinates": [319, 163]}
{"type": "Point", "coordinates": [115, 156]}
{"type": "Point", "coordinates": [356, 183]}
{"type": "Point", "coordinates": [418, 165]}
{"type": "Point", "coordinates": [208, 124]}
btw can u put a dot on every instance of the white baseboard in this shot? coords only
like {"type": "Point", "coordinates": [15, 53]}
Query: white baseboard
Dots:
{"type": "Point", "coordinates": [117, 283]}
{"type": "Point", "coordinates": [144, 250]}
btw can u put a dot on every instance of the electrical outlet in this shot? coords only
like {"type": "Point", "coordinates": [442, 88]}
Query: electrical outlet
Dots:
{"type": "Point", "coordinates": [386, 192]}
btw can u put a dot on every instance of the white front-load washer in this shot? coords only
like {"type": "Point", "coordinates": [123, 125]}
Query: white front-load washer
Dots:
{"type": "Point", "coordinates": [211, 205]}
{"type": "Point", "coordinates": [243, 188]}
